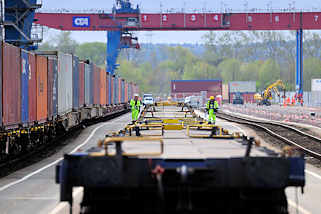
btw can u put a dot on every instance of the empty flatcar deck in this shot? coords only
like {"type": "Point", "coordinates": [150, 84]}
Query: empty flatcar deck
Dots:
{"type": "Point", "coordinates": [179, 163]}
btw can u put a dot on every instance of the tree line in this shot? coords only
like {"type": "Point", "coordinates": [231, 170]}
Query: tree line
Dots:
{"type": "Point", "coordinates": [261, 56]}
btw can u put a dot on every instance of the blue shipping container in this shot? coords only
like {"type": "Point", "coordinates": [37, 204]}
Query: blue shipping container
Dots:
{"type": "Point", "coordinates": [123, 91]}
{"type": "Point", "coordinates": [24, 87]}
{"type": "Point", "coordinates": [75, 82]}
{"type": "Point", "coordinates": [109, 90]}
{"type": "Point", "coordinates": [130, 89]}
{"type": "Point", "coordinates": [116, 89]}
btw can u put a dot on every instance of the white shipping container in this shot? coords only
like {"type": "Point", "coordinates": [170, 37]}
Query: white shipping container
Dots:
{"type": "Point", "coordinates": [242, 86]}
{"type": "Point", "coordinates": [316, 85]}
{"type": "Point", "coordinates": [89, 98]}
{"type": "Point", "coordinates": [203, 98]}
{"type": "Point", "coordinates": [64, 83]}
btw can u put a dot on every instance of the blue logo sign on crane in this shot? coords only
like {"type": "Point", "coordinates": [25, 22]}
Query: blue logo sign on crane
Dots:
{"type": "Point", "coordinates": [80, 21]}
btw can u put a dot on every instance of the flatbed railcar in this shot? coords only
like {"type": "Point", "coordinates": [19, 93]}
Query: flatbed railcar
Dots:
{"type": "Point", "coordinates": [172, 161]}
{"type": "Point", "coordinates": [47, 93]}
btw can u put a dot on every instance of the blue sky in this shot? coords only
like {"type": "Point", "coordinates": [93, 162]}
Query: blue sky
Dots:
{"type": "Point", "coordinates": [155, 6]}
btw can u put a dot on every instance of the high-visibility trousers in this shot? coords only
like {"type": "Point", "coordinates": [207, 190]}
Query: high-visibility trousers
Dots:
{"type": "Point", "coordinates": [135, 114]}
{"type": "Point", "coordinates": [211, 116]}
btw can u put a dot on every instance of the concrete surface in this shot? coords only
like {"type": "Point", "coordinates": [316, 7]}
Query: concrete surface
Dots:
{"type": "Point", "coordinates": [309, 202]}
{"type": "Point", "coordinates": [32, 189]}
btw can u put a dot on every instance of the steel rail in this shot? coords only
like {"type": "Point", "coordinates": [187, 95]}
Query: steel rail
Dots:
{"type": "Point", "coordinates": [256, 123]}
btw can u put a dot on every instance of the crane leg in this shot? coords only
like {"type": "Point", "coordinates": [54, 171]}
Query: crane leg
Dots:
{"type": "Point", "coordinates": [299, 65]}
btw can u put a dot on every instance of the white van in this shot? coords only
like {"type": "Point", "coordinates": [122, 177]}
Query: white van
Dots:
{"type": "Point", "coordinates": [148, 101]}
{"type": "Point", "coordinates": [147, 95]}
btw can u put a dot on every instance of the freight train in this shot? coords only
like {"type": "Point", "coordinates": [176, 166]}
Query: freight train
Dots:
{"type": "Point", "coordinates": [45, 94]}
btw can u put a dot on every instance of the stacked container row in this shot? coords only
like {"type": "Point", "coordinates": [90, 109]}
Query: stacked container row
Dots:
{"type": "Point", "coordinates": [39, 87]}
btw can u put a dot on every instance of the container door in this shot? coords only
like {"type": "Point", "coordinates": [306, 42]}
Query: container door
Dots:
{"type": "Point", "coordinates": [126, 92]}
{"type": "Point", "coordinates": [120, 90]}
{"type": "Point", "coordinates": [64, 83]}
{"type": "Point", "coordinates": [91, 84]}
{"type": "Point", "coordinates": [11, 86]}
{"type": "Point", "coordinates": [116, 90]}
{"type": "Point", "coordinates": [50, 88]}
{"type": "Point", "coordinates": [55, 88]}
{"type": "Point", "coordinates": [102, 80]}
{"type": "Point", "coordinates": [112, 80]}
{"type": "Point", "coordinates": [123, 91]}
{"type": "Point", "coordinates": [24, 87]}
{"type": "Point", "coordinates": [42, 88]}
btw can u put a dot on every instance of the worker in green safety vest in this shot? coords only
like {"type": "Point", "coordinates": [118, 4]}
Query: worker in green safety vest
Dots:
{"type": "Point", "coordinates": [135, 107]}
{"type": "Point", "coordinates": [211, 108]}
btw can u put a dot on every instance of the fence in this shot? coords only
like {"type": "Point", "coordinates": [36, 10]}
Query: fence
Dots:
{"type": "Point", "coordinates": [310, 98]}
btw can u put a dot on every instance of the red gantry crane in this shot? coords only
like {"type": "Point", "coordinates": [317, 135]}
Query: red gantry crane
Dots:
{"type": "Point", "coordinates": [126, 19]}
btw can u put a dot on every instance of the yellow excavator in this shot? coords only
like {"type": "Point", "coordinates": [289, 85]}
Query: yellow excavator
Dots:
{"type": "Point", "coordinates": [266, 97]}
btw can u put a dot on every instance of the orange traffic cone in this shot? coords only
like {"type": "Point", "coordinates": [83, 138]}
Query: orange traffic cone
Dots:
{"type": "Point", "coordinates": [288, 101]}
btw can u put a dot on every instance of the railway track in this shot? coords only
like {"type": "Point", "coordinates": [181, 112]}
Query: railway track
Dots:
{"type": "Point", "coordinates": [305, 142]}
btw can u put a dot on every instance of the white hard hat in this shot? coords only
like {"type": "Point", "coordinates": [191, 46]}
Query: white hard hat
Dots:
{"type": "Point", "coordinates": [136, 95]}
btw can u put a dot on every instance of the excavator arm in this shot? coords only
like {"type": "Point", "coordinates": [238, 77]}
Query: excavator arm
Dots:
{"type": "Point", "coordinates": [273, 86]}
{"type": "Point", "coordinates": [267, 95]}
